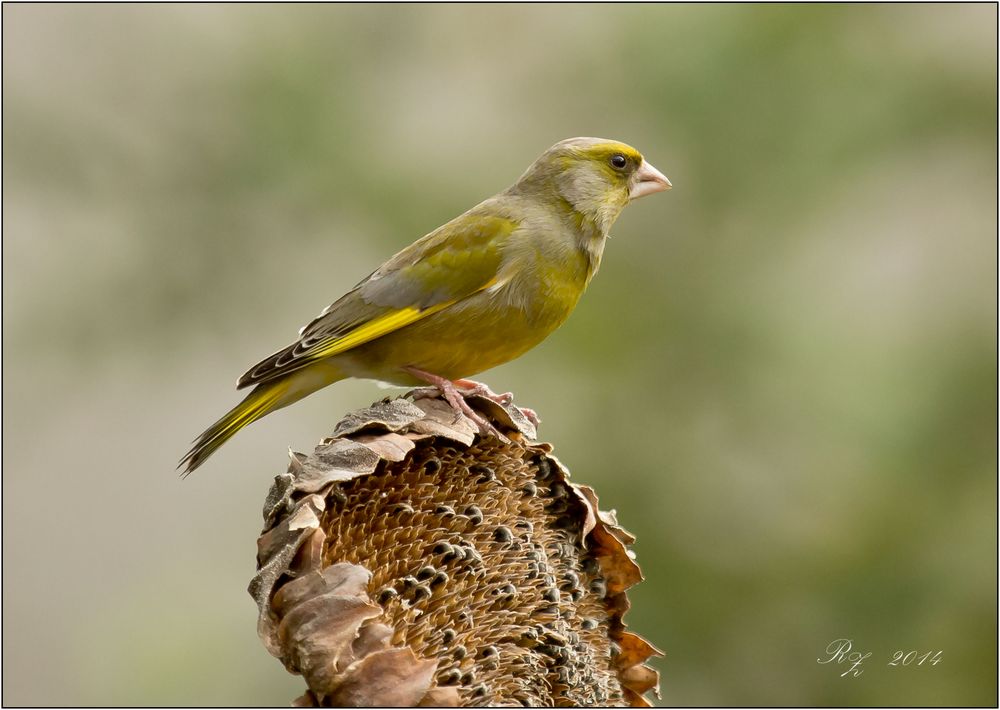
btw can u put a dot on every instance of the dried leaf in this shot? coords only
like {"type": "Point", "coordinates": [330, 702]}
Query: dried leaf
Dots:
{"type": "Point", "coordinates": [640, 678]}
{"type": "Point", "coordinates": [386, 416]}
{"type": "Point", "coordinates": [635, 700]}
{"type": "Point", "coordinates": [371, 638]}
{"type": "Point", "coordinates": [343, 579]}
{"type": "Point", "coordinates": [634, 650]}
{"type": "Point", "coordinates": [310, 554]}
{"type": "Point", "coordinates": [321, 632]}
{"type": "Point", "coordinates": [306, 700]}
{"type": "Point", "coordinates": [340, 460]}
{"type": "Point", "coordinates": [504, 416]}
{"type": "Point", "coordinates": [279, 498]}
{"type": "Point", "coordinates": [446, 697]}
{"type": "Point", "coordinates": [394, 677]}
{"type": "Point", "coordinates": [391, 447]}
{"type": "Point", "coordinates": [439, 420]}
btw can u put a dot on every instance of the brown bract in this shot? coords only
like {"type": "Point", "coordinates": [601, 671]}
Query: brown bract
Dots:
{"type": "Point", "coordinates": [410, 561]}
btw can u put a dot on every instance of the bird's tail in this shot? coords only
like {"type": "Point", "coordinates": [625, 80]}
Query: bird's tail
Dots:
{"type": "Point", "coordinates": [264, 398]}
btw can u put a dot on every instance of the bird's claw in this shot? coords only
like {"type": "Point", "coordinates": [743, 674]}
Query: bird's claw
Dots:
{"type": "Point", "coordinates": [530, 415]}
{"type": "Point", "coordinates": [454, 394]}
{"type": "Point", "coordinates": [471, 388]}
{"type": "Point", "coordinates": [457, 401]}
{"type": "Point", "coordinates": [425, 392]}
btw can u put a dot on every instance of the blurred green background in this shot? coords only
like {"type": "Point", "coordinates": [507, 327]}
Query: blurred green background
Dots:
{"type": "Point", "coordinates": [784, 378]}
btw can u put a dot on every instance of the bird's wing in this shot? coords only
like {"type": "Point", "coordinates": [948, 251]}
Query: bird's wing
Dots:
{"type": "Point", "coordinates": [451, 263]}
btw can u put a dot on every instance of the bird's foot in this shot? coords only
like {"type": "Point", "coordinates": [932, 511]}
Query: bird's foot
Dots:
{"type": "Point", "coordinates": [454, 396]}
{"type": "Point", "coordinates": [470, 388]}
{"type": "Point", "coordinates": [531, 415]}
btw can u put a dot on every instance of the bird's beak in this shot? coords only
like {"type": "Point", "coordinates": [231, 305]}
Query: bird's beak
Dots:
{"type": "Point", "coordinates": [647, 181]}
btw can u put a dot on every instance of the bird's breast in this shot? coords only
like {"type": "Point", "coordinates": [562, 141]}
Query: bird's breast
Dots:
{"type": "Point", "coordinates": [545, 277]}
{"type": "Point", "coordinates": [482, 331]}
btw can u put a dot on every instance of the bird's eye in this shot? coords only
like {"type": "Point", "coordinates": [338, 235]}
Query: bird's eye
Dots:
{"type": "Point", "coordinates": [618, 161]}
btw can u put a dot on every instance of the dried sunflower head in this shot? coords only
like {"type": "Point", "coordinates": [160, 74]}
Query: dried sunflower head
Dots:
{"type": "Point", "coordinates": [409, 561]}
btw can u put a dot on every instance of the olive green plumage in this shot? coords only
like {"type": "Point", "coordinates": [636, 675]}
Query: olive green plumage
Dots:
{"type": "Point", "coordinates": [475, 293]}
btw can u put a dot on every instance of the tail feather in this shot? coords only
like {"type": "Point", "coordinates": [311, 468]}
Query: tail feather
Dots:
{"type": "Point", "coordinates": [264, 399]}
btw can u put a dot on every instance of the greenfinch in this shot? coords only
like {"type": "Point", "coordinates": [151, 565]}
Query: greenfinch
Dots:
{"type": "Point", "coordinates": [473, 294]}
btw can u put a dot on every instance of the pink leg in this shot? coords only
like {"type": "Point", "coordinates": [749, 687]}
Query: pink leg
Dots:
{"type": "Point", "coordinates": [471, 388]}
{"type": "Point", "coordinates": [454, 397]}
{"type": "Point", "coordinates": [531, 415]}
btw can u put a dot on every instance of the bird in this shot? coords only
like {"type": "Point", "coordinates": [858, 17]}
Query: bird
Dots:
{"type": "Point", "coordinates": [474, 293]}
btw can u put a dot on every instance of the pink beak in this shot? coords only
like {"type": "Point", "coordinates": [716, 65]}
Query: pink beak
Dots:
{"type": "Point", "coordinates": [648, 180]}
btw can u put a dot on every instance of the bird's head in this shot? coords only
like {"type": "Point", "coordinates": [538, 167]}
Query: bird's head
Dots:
{"type": "Point", "coordinates": [595, 177]}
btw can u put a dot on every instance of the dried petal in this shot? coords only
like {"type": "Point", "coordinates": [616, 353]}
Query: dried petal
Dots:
{"type": "Point", "coordinates": [386, 416]}
{"type": "Point", "coordinates": [391, 447]}
{"type": "Point", "coordinates": [394, 677]}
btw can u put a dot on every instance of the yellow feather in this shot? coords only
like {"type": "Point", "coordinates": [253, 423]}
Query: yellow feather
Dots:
{"type": "Point", "coordinates": [375, 328]}
{"type": "Point", "coordinates": [259, 402]}
{"type": "Point", "coordinates": [369, 331]}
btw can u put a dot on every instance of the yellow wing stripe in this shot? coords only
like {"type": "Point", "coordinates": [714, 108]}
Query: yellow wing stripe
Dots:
{"type": "Point", "coordinates": [376, 328]}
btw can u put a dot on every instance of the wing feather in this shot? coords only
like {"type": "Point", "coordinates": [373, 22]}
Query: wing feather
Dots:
{"type": "Point", "coordinates": [452, 263]}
